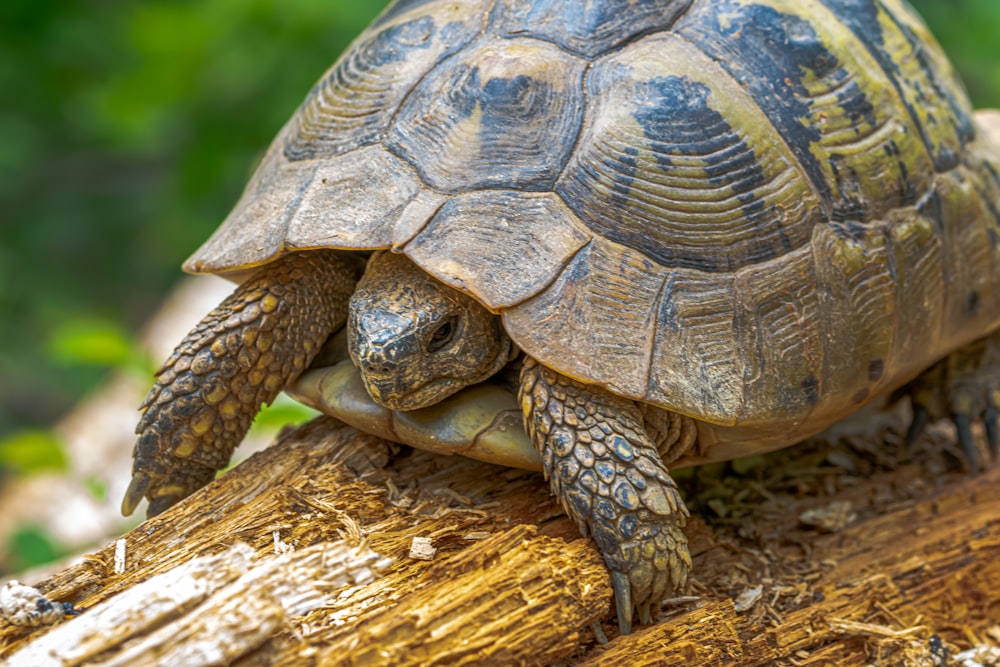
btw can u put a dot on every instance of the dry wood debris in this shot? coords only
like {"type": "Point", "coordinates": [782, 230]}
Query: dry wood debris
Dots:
{"type": "Point", "coordinates": [912, 578]}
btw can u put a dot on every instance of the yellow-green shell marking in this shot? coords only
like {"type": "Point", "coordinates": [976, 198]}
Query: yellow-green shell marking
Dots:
{"type": "Point", "coordinates": [758, 213]}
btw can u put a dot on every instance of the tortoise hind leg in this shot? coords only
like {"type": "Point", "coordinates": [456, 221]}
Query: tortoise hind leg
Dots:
{"type": "Point", "coordinates": [235, 360]}
{"type": "Point", "coordinates": [964, 386]}
{"type": "Point", "coordinates": [608, 475]}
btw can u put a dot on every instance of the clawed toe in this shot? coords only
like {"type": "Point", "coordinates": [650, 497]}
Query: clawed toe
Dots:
{"type": "Point", "coordinates": [623, 601]}
{"type": "Point", "coordinates": [963, 421]}
{"type": "Point", "coordinates": [965, 387]}
{"type": "Point", "coordinates": [966, 440]}
{"type": "Point", "coordinates": [643, 610]}
{"type": "Point", "coordinates": [921, 417]}
{"type": "Point", "coordinates": [990, 421]}
{"type": "Point", "coordinates": [972, 453]}
{"type": "Point", "coordinates": [136, 491]}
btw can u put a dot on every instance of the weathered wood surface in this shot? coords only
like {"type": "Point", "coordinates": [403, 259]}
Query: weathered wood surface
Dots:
{"type": "Point", "coordinates": [908, 560]}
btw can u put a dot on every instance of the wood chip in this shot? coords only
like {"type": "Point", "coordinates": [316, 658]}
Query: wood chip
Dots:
{"type": "Point", "coordinates": [422, 548]}
{"type": "Point", "coordinates": [831, 518]}
{"type": "Point", "coordinates": [477, 535]}
{"type": "Point", "coordinates": [120, 545]}
{"type": "Point", "coordinates": [980, 656]}
{"type": "Point", "coordinates": [280, 546]}
{"type": "Point", "coordinates": [748, 598]}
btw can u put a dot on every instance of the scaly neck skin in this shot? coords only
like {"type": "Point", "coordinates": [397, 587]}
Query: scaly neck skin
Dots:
{"type": "Point", "coordinates": [417, 341]}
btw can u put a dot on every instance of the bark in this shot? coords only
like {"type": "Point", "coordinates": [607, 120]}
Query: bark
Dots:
{"type": "Point", "coordinates": [823, 553]}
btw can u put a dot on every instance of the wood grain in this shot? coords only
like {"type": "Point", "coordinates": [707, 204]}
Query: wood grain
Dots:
{"type": "Point", "coordinates": [910, 560]}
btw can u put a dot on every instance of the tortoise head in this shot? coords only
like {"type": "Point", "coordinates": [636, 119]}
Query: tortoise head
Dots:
{"type": "Point", "coordinates": [415, 340]}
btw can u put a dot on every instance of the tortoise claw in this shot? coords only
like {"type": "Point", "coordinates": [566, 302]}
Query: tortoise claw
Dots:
{"type": "Point", "coordinates": [136, 491]}
{"type": "Point", "coordinates": [623, 601]}
{"type": "Point", "coordinates": [921, 417]}
{"type": "Point", "coordinates": [644, 615]}
{"type": "Point", "coordinates": [990, 422]}
{"type": "Point", "coordinates": [967, 442]}
{"type": "Point", "coordinates": [599, 632]}
{"type": "Point", "coordinates": [138, 488]}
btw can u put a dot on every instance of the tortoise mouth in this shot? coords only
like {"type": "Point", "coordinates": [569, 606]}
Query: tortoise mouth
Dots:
{"type": "Point", "coordinates": [388, 392]}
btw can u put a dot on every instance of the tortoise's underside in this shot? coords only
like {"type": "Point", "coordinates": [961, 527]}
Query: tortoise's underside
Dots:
{"type": "Point", "coordinates": [760, 213]}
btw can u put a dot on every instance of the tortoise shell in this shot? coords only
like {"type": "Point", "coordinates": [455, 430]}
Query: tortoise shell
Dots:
{"type": "Point", "coordinates": [759, 213]}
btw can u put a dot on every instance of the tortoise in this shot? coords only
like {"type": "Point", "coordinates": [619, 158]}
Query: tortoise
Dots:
{"type": "Point", "coordinates": [683, 230]}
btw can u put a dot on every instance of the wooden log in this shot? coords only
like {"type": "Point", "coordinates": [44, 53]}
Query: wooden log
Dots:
{"type": "Point", "coordinates": [908, 565]}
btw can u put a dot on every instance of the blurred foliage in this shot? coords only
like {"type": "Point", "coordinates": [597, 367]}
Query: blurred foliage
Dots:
{"type": "Point", "coordinates": [31, 451]}
{"type": "Point", "coordinates": [969, 31]}
{"type": "Point", "coordinates": [128, 131]}
{"type": "Point", "coordinates": [30, 546]}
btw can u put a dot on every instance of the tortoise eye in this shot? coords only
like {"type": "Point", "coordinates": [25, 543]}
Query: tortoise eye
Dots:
{"type": "Point", "coordinates": [442, 335]}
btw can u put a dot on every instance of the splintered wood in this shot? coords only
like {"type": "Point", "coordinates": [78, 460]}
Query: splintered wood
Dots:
{"type": "Point", "coordinates": [304, 555]}
{"type": "Point", "coordinates": [212, 609]}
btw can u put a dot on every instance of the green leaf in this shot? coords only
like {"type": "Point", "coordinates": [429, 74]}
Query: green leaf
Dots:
{"type": "Point", "coordinates": [33, 451]}
{"type": "Point", "coordinates": [91, 342]}
{"type": "Point", "coordinates": [96, 487]}
{"type": "Point", "coordinates": [282, 412]}
{"type": "Point", "coordinates": [30, 546]}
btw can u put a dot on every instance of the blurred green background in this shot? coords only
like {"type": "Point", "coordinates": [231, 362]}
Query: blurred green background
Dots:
{"type": "Point", "coordinates": [128, 131]}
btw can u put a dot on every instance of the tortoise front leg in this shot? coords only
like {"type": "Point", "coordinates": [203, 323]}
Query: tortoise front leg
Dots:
{"type": "Point", "coordinates": [235, 360]}
{"type": "Point", "coordinates": [607, 473]}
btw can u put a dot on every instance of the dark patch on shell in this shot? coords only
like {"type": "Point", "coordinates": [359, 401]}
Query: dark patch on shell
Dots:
{"type": "Point", "coordinates": [811, 388]}
{"type": "Point", "coordinates": [862, 17]}
{"type": "Point", "coordinates": [678, 122]}
{"type": "Point", "coordinates": [972, 303]}
{"type": "Point", "coordinates": [769, 54]}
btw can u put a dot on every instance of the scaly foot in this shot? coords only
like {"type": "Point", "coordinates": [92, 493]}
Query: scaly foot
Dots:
{"type": "Point", "coordinates": [608, 475]}
{"type": "Point", "coordinates": [235, 360]}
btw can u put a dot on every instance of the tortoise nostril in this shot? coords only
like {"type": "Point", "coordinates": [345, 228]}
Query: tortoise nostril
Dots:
{"type": "Point", "coordinates": [378, 365]}
{"type": "Point", "coordinates": [382, 369]}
